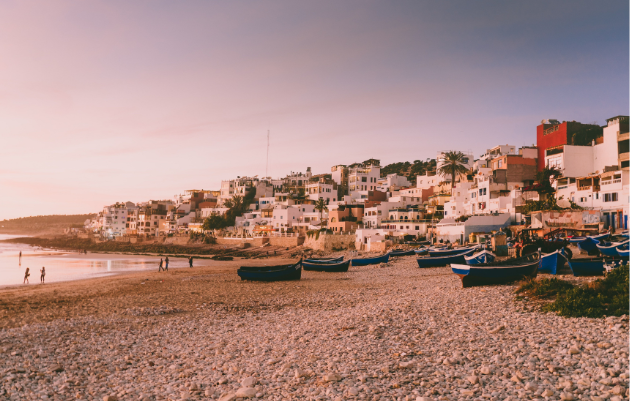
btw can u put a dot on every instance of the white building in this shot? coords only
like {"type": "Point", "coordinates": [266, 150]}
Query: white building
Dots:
{"type": "Point", "coordinates": [363, 178]}
{"type": "Point", "coordinates": [321, 190]}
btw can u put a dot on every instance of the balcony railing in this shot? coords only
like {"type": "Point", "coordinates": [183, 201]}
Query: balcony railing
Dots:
{"type": "Point", "coordinates": [616, 181]}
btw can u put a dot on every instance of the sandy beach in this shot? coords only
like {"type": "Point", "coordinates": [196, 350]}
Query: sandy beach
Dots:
{"type": "Point", "coordinates": [384, 332]}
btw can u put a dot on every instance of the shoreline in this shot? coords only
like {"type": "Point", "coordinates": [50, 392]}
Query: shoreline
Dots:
{"type": "Point", "coordinates": [201, 251]}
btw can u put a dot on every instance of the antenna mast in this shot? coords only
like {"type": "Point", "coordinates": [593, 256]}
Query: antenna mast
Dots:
{"type": "Point", "coordinates": [267, 166]}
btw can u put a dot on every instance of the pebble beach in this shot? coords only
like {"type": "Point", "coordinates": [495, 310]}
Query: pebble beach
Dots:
{"type": "Point", "coordinates": [383, 332]}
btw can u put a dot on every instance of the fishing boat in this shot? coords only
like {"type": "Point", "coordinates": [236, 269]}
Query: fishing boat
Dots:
{"type": "Point", "coordinates": [599, 237]}
{"type": "Point", "coordinates": [371, 261]}
{"type": "Point", "coordinates": [622, 251]}
{"type": "Point", "coordinates": [610, 249]}
{"type": "Point", "coordinates": [421, 252]}
{"type": "Point", "coordinates": [448, 252]}
{"type": "Point", "coordinates": [497, 272]}
{"type": "Point", "coordinates": [325, 260]}
{"type": "Point", "coordinates": [625, 234]}
{"type": "Point", "coordinates": [587, 266]}
{"type": "Point", "coordinates": [588, 245]}
{"type": "Point", "coordinates": [480, 257]}
{"type": "Point", "coordinates": [552, 262]}
{"type": "Point", "coordinates": [610, 265]}
{"type": "Point", "coordinates": [327, 267]}
{"type": "Point", "coordinates": [439, 261]}
{"type": "Point", "coordinates": [271, 273]}
{"type": "Point", "coordinates": [400, 252]}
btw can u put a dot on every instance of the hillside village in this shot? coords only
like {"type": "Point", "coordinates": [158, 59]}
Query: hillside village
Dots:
{"type": "Point", "coordinates": [576, 176]}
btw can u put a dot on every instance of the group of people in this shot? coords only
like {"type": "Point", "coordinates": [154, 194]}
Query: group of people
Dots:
{"type": "Point", "coordinates": [164, 264]}
{"type": "Point", "coordinates": [42, 277]}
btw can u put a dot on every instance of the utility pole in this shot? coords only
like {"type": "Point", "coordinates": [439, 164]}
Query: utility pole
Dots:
{"type": "Point", "coordinates": [267, 167]}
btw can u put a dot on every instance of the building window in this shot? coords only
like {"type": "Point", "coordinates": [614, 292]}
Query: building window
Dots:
{"type": "Point", "coordinates": [612, 197]}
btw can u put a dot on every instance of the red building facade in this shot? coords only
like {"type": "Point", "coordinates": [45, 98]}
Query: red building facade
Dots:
{"type": "Point", "coordinates": [552, 133]}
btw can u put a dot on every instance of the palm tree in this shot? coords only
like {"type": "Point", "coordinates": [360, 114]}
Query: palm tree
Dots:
{"type": "Point", "coordinates": [321, 206]}
{"type": "Point", "coordinates": [453, 164]}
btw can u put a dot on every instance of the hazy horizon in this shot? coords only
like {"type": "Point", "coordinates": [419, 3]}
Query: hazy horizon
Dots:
{"type": "Point", "coordinates": [116, 101]}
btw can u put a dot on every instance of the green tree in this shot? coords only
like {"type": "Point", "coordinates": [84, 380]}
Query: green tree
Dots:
{"type": "Point", "coordinates": [453, 165]}
{"type": "Point", "coordinates": [545, 179]}
{"type": "Point", "coordinates": [214, 222]}
{"type": "Point", "coordinates": [321, 206]}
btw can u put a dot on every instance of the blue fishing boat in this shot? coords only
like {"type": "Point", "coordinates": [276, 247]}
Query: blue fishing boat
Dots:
{"type": "Point", "coordinates": [625, 234]}
{"type": "Point", "coordinates": [587, 266]}
{"type": "Point", "coordinates": [610, 249]}
{"type": "Point", "coordinates": [552, 262]}
{"type": "Point", "coordinates": [588, 245]}
{"type": "Point", "coordinates": [484, 256]}
{"type": "Point", "coordinates": [439, 261]}
{"type": "Point", "coordinates": [271, 273]}
{"type": "Point", "coordinates": [622, 251]}
{"type": "Point", "coordinates": [400, 252]}
{"type": "Point", "coordinates": [327, 267]}
{"type": "Point", "coordinates": [421, 251]}
{"type": "Point", "coordinates": [325, 260]}
{"type": "Point", "coordinates": [599, 237]}
{"type": "Point", "coordinates": [448, 252]}
{"type": "Point", "coordinates": [371, 261]}
{"type": "Point", "coordinates": [497, 272]}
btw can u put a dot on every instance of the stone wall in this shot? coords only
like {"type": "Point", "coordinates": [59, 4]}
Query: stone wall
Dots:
{"type": "Point", "coordinates": [252, 242]}
{"type": "Point", "coordinates": [179, 240]}
{"type": "Point", "coordinates": [286, 241]}
{"type": "Point", "coordinates": [328, 242]}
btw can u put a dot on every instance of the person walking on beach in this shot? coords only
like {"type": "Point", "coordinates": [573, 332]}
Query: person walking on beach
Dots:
{"type": "Point", "coordinates": [43, 271]}
{"type": "Point", "coordinates": [166, 264]}
{"type": "Point", "coordinates": [190, 260]}
{"type": "Point", "coordinates": [160, 269]}
{"type": "Point", "coordinates": [20, 260]}
{"type": "Point", "coordinates": [26, 275]}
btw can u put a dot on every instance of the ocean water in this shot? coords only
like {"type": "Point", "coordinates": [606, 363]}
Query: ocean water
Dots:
{"type": "Point", "coordinates": [66, 266]}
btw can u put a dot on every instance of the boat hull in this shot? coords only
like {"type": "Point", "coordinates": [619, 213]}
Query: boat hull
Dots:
{"type": "Point", "coordinates": [442, 261]}
{"type": "Point", "coordinates": [495, 273]}
{"type": "Point", "coordinates": [587, 267]}
{"type": "Point", "coordinates": [371, 261]}
{"type": "Point", "coordinates": [327, 267]}
{"type": "Point", "coordinates": [611, 250]}
{"type": "Point", "coordinates": [449, 252]}
{"type": "Point", "coordinates": [325, 260]}
{"type": "Point", "coordinates": [402, 253]}
{"type": "Point", "coordinates": [290, 272]}
{"type": "Point", "coordinates": [552, 262]}
{"type": "Point", "coordinates": [588, 245]}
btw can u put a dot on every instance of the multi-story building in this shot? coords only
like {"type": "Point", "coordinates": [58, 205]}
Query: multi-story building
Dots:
{"type": "Point", "coordinates": [113, 219]}
{"type": "Point", "coordinates": [345, 218]}
{"type": "Point", "coordinates": [440, 160]}
{"type": "Point", "coordinates": [551, 134]}
{"type": "Point", "coordinates": [363, 178]}
{"type": "Point", "coordinates": [322, 189]}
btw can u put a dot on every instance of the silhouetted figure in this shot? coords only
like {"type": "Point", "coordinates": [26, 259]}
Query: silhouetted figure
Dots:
{"type": "Point", "coordinates": [160, 269]}
{"type": "Point", "coordinates": [166, 264]}
{"type": "Point", "coordinates": [26, 275]}
{"type": "Point", "coordinates": [20, 259]}
{"type": "Point", "coordinates": [43, 274]}
{"type": "Point", "coordinates": [190, 261]}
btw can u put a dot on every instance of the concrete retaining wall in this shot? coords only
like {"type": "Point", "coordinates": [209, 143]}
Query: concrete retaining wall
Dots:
{"type": "Point", "coordinates": [252, 242]}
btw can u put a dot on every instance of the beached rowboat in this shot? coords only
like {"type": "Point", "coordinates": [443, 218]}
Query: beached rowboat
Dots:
{"type": "Point", "coordinates": [552, 262]}
{"type": "Point", "coordinates": [444, 260]}
{"type": "Point", "coordinates": [497, 272]}
{"type": "Point", "coordinates": [610, 249]}
{"type": "Point", "coordinates": [448, 252]}
{"type": "Point", "coordinates": [371, 261]}
{"type": "Point", "coordinates": [587, 266]}
{"type": "Point", "coordinates": [401, 253]}
{"type": "Point", "coordinates": [484, 256]}
{"type": "Point", "coordinates": [325, 260]}
{"type": "Point", "coordinates": [327, 267]}
{"type": "Point", "coordinates": [271, 273]}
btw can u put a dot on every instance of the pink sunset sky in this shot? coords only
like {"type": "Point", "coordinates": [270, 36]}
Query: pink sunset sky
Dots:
{"type": "Point", "coordinates": [115, 101]}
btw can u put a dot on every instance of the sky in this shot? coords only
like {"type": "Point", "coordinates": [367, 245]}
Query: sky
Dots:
{"type": "Point", "coordinates": [106, 101]}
